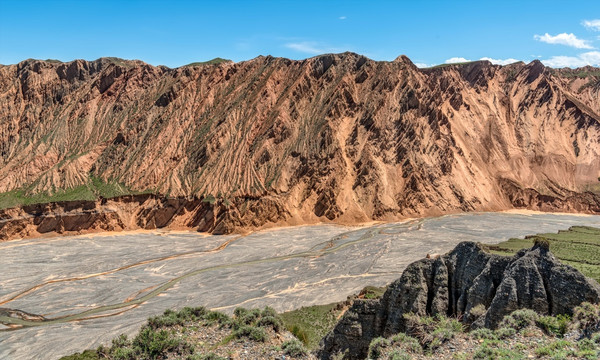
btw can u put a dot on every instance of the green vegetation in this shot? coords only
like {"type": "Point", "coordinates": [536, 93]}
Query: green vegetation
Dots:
{"type": "Point", "coordinates": [579, 247]}
{"type": "Point", "coordinates": [578, 73]}
{"type": "Point", "coordinates": [95, 188]}
{"type": "Point", "coordinates": [214, 61]}
{"type": "Point", "coordinates": [523, 334]}
{"type": "Point", "coordinates": [372, 292]}
{"type": "Point", "coordinates": [169, 335]}
{"type": "Point", "coordinates": [310, 324]}
{"type": "Point", "coordinates": [432, 331]}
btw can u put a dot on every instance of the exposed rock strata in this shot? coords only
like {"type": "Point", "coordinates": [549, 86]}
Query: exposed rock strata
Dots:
{"type": "Point", "coordinates": [337, 136]}
{"type": "Point", "coordinates": [136, 212]}
{"type": "Point", "coordinates": [455, 283]}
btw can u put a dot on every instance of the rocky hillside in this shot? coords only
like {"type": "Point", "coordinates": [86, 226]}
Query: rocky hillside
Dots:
{"type": "Point", "coordinates": [337, 137]}
{"type": "Point", "coordinates": [470, 283]}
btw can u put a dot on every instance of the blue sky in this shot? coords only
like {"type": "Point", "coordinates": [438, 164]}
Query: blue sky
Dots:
{"type": "Point", "coordinates": [175, 33]}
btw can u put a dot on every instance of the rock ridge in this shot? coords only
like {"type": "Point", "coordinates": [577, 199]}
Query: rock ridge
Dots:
{"type": "Point", "coordinates": [457, 282]}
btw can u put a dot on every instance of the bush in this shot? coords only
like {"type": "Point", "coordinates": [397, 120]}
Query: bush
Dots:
{"type": "Point", "coordinates": [218, 317]}
{"type": "Point", "coordinates": [272, 321]}
{"type": "Point", "coordinates": [541, 242]}
{"type": "Point", "coordinates": [505, 332]}
{"type": "Point", "coordinates": [476, 312]}
{"type": "Point", "coordinates": [293, 348]}
{"type": "Point", "coordinates": [154, 344]}
{"type": "Point", "coordinates": [554, 325]}
{"type": "Point", "coordinates": [406, 342]}
{"type": "Point", "coordinates": [268, 311]}
{"type": "Point", "coordinates": [376, 347]}
{"type": "Point", "coordinates": [587, 318]}
{"type": "Point", "coordinates": [520, 319]}
{"type": "Point", "coordinates": [399, 355]}
{"type": "Point", "coordinates": [251, 332]}
{"type": "Point", "coordinates": [484, 334]}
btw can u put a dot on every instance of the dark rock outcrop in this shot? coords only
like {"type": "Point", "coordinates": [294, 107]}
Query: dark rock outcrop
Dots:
{"type": "Point", "coordinates": [454, 284]}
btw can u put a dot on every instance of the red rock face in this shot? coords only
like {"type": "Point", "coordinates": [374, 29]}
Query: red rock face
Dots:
{"type": "Point", "coordinates": [337, 137]}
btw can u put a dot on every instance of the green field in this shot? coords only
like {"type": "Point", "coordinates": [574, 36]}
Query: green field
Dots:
{"type": "Point", "coordinates": [579, 247]}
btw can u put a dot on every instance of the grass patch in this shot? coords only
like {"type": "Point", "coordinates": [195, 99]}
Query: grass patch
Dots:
{"type": "Point", "coordinates": [310, 324]}
{"type": "Point", "coordinates": [94, 189]}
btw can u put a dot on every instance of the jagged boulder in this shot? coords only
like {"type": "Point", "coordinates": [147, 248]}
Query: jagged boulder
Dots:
{"type": "Point", "coordinates": [454, 284]}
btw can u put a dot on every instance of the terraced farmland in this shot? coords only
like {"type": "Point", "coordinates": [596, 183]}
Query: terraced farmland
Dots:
{"type": "Point", "coordinates": [579, 246]}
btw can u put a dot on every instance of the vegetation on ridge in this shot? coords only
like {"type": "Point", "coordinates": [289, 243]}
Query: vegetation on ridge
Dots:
{"type": "Point", "coordinates": [94, 189]}
{"type": "Point", "coordinates": [579, 247]}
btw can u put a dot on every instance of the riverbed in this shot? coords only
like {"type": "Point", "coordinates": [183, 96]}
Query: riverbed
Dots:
{"type": "Point", "coordinates": [92, 288]}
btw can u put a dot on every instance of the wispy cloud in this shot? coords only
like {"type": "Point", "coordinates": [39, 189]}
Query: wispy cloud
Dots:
{"type": "Point", "coordinates": [455, 60]}
{"type": "Point", "coordinates": [422, 65]}
{"type": "Point", "coordinates": [311, 47]}
{"type": "Point", "coordinates": [342, 18]}
{"type": "Point", "coordinates": [564, 39]}
{"type": "Point", "coordinates": [500, 61]}
{"type": "Point", "coordinates": [589, 58]}
{"type": "Point", "coordinates": [592, 24]}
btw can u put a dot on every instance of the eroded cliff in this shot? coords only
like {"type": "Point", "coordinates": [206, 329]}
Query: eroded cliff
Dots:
{"type": "Point", "coordinates": [337, 137]}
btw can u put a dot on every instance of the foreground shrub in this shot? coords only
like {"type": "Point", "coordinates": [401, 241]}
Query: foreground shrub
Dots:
{"type": "Point", "coordinates": [554, 325]}
{"type": "Point", "coordinates": [432, 331]}
{"type": "Point", "coordinates": [154, 344]}
{"type": "Point", "coordinates": [376, 347]}
{"type": "Point", "coordinates": [587, 318]}
{"type": "Point", "coordinates": [520, 319]}
{"type": "Point", "coordinates": [250, 332]}
{"type": "Point", "coordinates": [294, 348]}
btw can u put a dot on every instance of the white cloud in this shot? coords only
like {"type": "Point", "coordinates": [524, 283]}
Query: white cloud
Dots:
{"type": "Point", "coordinates": [312, 47]}
{"type": "Point", "coordinates": [342, 18]}
{"type": "Point", "coordinates": [422, 65]}
{"type": "Point", "coordinates": [589, 58]}
{"type": "Point", "coordinates": [455, 60]}
{"type": "Point", "coordinates": [500, 61]}
{"type": "Point", "coordinates": [592, 24]}
{"type": "Point", "coordinates": [564, 39]}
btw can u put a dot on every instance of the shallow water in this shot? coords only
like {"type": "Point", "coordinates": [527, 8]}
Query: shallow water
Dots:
{"type": "Point", "coordinates": [93, 288]}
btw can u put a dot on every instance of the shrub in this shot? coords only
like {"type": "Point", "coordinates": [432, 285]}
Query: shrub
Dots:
{"type": "Point", "coordinates": [218, 317]}
{"type": "Point", "coordinates": [406, 342]}
{"type": "Point", "coordinates": [399, 355]}
{"type": "Point", "coordinates": [293, 347]}
{"type": "Point", "coordinates": [476, 312]}
{"type": "Point", "coordinates": [520, 319]}
{"type": "Point", "coordinates": [505, 332]}
{"type": "Point", "coordinates": [541, 242]}
{"type": "Point", "coordinates": [554, 325]}
{"type": "Point", "coordinates": [552, 348]}
{"type": "Point", "coordinates": [432, 331]}
{"type": "Point", "coordinates": [587, 318]}
{"type": "Point", "coordinates": [484, 334]}
{"type": "Point", "coordinates": [172, 318]}
{"type": "Point", "coordinates": [154, 344]}
{"type": "Point", "coordinates": [273, 321]}
{"type": "Point", "coordinates": [251, 332]}
{"type": "Point", "coordinates": [240, 312]}
{"type": "Point", "coordinates": [268, 311]}
{"type": "Point", "coordinates": [376, 347]}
